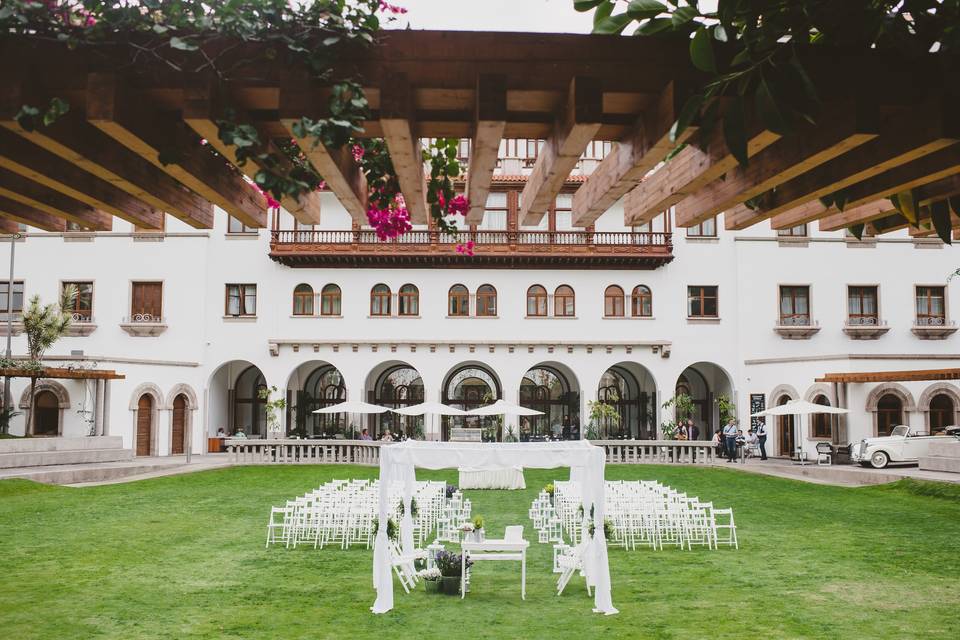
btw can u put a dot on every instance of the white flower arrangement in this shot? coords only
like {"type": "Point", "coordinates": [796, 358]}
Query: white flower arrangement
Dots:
{"type": "Point", "coordinates": [430, 574]}
{"type": "Point", "coordinates": [466, 527]}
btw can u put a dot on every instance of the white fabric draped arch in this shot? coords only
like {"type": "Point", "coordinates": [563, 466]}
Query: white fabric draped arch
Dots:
{"type": "Point", "coordinates": [586, 462]}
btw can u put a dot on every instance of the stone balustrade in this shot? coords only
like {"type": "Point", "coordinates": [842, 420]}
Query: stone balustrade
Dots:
{"type": "Point", "coordinates": [657, 451]}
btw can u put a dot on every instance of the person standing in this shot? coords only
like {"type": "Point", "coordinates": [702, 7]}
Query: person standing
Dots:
{"type": "Point", "coordinates": [730, 439]}
{"type": "Point", "coordinates": [693, 432]}
{"type": "Point", "coordinates": [762, 439]}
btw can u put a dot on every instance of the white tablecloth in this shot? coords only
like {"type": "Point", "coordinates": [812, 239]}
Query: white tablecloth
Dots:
{"type": "Point", "coordinates": [508, 478]}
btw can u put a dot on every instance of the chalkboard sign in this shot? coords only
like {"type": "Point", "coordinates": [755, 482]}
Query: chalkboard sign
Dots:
{"type": "Point", "coordinates": [758, 402]}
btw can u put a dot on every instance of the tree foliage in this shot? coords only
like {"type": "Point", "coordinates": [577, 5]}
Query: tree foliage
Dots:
{"type": "Point", "coordinates": [752, 54]}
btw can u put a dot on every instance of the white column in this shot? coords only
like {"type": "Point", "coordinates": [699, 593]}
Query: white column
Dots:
{"type": "Point", "coordinates": [98, 409]}
{"type": "Point", "coordinates": [105, 414]}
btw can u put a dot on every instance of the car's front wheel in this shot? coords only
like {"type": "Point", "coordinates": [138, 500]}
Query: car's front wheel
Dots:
{"type": "Point", "coordinates": [879, 460]}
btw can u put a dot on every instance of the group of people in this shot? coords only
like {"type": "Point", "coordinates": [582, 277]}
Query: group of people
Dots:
{"type": "Point", "coordinates": [687, 431]}
{"type": "Point", "coordinates": [733, 443]}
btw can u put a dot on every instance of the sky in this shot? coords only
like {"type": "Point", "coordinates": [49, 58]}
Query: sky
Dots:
{"type": "Point", "coordinates": [555, 16]}
{"type": "Point", "coordinates": [551, 16]}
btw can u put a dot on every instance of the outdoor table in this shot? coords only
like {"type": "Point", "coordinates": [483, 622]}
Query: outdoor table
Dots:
{"type": "Point", "coordinates": [494, 550]}
{"type": "Point", "coordinates": [503, 478]}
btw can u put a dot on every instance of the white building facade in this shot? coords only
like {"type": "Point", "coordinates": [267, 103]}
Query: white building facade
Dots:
{"type": "Point", "coordinates": [199, 321]}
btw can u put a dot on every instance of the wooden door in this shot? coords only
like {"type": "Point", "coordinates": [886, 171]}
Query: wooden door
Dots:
{"type": "Point", "coordinates": [179, 422]}
{"type": "Point", "coordinates": [144, 424]}
{"type": "Point", "coordinates": [785, 435]}
{"type": "Point", "coordinates": [46, 422]}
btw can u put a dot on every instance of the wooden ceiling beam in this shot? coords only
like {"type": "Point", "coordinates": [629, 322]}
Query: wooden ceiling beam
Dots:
{"type": "Point", "coordinates": [892, 376]}
{"type": "Point", "coordinates": [398, 121]}
{"type": "Point", "coordinates": [9, 227]}
{"type": "Point", "coordinates": [202, 107]}
{"type": "Point", "coordinates": [575, 128]}
{"type": "Point", "coordinates": [489, 123]}
{"type": "Point", "coordinates": [689, 171]}
{"type": "Point", "coordinates": [25, 214]}
{"type": "Point", "coordinates": [804, 214]}
{"type": "Point", "coordinates": [73, 139]}
{"type": "Point", "coordinates": [646, 146]}
{"type": "Point", "coordinates": [925, 170]}
{"type": "Point", "coordinates": [146, 133]}
{"type": "Point", "coordinates": [30, 161]}
{"type": "Point", "coordinates": [339, 170]}
{"type": "Point", "coordinates": [850, 125]}
{"type": "Point", "coordinates": [38, 196]}
{"type": "Point", "coordinates": [904, 137]}
{"type": "Point", "coordinates": [861, 214]}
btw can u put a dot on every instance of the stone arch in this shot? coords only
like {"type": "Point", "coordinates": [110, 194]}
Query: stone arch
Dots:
{"type": "Point", "coordinates": [900, 391]}
{"type": "Point", "coordinates": [147, 388]}
{"type": "Point", "coordinates": [187, 391]}
{"type": "Point", "coordinates": [820, 389]}
{"type": "Point", "coordinates": [813, 392]}
{"type": "Point", "coordinates": [782, 390]}
{"type": "Point", "coordinates": [54, 387]}
{"type": "Point", "coordinates": [936, 389]}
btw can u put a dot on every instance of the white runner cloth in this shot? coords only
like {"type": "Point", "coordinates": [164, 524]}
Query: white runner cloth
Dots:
{"type": "Point", "coordinates": [509, 478]}
{"type": "Point", "coordinates": [587, 464]}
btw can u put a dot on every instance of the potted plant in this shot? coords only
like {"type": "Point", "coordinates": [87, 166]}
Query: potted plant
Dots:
{"type": "Point", "coordinates": [511, 434]}
{"type": "Point", "coordinates": [431, 579]}
{"type": "Point", "coordinates": [271, 408]}
{"type": "Point", "coordinates": [479, 533]}
{"type": "Point", "coordinates": [450, 566]}
{"type": "Point", "coordinates": [549, 490]}
{"type": "Point", "coordinates": [468, 531]}
{"type": "Point", "coordinates": [601, 413]}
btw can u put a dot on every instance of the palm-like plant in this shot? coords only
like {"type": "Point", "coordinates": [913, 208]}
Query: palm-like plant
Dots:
{"type": "Point", "coordinates": [43, 326]}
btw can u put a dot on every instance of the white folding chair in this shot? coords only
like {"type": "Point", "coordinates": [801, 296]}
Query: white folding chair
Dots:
{"type": "Point", "coordinates": [728, 526]}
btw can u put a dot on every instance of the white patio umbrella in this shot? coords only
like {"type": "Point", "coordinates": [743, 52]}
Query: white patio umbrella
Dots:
{"type": "Point", "coordinates": [501, 407]}
{"type": "Point", "coordinates": [799, 408]}
{"type": "Point", "coordinates": [353, 406]}
{"type": "Point", "coordinates": [430, 408]}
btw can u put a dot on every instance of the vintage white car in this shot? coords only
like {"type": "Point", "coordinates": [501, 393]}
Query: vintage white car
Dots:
{"type": "Point", "coordinates": [902, 445]}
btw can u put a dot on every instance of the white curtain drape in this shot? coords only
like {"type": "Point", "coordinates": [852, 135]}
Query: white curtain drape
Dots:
{"type": "Point", "coordinates": [397, 463]}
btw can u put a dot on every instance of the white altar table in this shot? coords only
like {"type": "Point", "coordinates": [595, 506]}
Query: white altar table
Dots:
{"type": "Point", "coordinates": [502, 478]}
{"type": "Point", "coordinates": [495, 550]}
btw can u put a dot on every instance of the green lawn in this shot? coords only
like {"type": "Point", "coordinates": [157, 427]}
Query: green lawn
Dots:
{"type": "Point", "coordinates": [183, 557]}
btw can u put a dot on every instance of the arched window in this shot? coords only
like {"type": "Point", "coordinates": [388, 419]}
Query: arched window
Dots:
{"type": "Point", "coordinates": [330, 300]}
{"type": "Point", "coordinates": [458, 301]}
{"type": "Point", "coordinates": [249, 412]}
{"type": "Point", "coordinates": [821, 422]}
{"type": "Point", "coordinates": [613, 302]}
{"type": "Point", "coordinates": [409, 300]}
{"type": "Point", "coordinates": [941, 412]}
{"type": "Point", "coordinates": [469, 387]}
{"type": "Point", "coordinates": [399, 387]}
{"type": "Point", "coordinates": [641, 302]}
{"type": "Point", "coordinates": [486, 301]}
{"type": "Point", "coordinates": [536, 301]}
{"type": "Point", "coordinates": [563, 302]}
{"type": "Point", "coordinates": [323, 388]}
{"type": "Point", "coordinates": [889, 413]}
{"type": "Point", "coordinates": [380, 300]}
{"type": "Point", "coordinates": [547, 390]}
{"type": "Point", "coordinates": [303, 300]}
{"type": "Point", "coordinates": [785, 433]}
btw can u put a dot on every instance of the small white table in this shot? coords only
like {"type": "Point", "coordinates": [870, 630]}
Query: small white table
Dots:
{"type": "Point", "coordinates": [494, 550]}
{"type": "Point", "coordinates": [505, 478]}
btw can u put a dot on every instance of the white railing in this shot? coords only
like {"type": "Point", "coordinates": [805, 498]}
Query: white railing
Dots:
{"type": "Point", "coordinates": [304, 451]}
{"type": "Point", "coordinates": [656, 451]}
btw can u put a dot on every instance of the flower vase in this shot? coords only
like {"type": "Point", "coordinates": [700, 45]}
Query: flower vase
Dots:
{"type": "Point", "coordinates": [450, 585]}
{"type": "Point", "coordinates": [431, 586]}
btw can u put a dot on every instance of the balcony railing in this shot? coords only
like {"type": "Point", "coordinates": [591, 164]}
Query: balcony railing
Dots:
{"type": "Point", "coordinates": [493, 248]}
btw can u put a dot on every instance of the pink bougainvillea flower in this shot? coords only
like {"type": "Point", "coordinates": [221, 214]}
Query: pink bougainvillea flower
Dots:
{"type": "Point", "coordinates": [391, 8]}
{"type": "Point", "coordinates": [389, 223]}
{"type": "Point", "coordinates": [357, 152]}
{"type": "Point", "coordinates": [466, 249]}
{"type": "Point", "coordinates": [272, 203]}
{"type": "Point", "coordinates": [459, 204]}
{"type": "Point", "coordinates": [322, 185]}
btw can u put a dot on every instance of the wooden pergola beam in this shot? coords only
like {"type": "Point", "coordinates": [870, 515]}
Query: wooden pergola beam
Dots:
{"type": "Point", "coordinates": [19, 212]}
{"type": "Point", "coordinates": [9, 227]}
{"type": "Point", "coordinates": [41, 166]}
{"type": "Point", "coordinates": [851, 125]}
{"type": "Point", "coordinates": [61, 373]}
{"type": "Point", "coordinates": [925, 170]}
{"type": "Point", "coordinates": [38, 196]}
{"type": "Point", "coordinates": [144, 132]}
{"type": "Point", "coordinates": [804, 214]}
{"type": "Point", "coordinates": [489, 123]}
{"type": "Point", "coordinates": [339, 170]}
{"type": "Point", "coordinates": [577, 124]}
{"type": "Point", "coordinates": [73, 139]}
{"type": "Point", "coordinates": [632, 158]}
{"type": "Point", "coordinates": [398, 121]}
{"type": "Point", "coordinates": [861, 214]}
{"type": "Point", "coordinates": [202, 107]}
{"type": "Point", "coordinates": [892, 376]}
{"type": "Point", "coordinates": [904, 137]}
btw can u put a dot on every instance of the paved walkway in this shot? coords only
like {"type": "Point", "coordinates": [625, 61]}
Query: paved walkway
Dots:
{"type": "Point", "coordinates": [849, 475]}
{"type": "Point", "coordinates": [96, 474]}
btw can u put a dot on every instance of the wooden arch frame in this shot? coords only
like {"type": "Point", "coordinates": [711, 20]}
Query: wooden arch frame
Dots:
{"type": "Point", "coordinates": [158, 403]}
{"type": "Point", "coordinates": [873, 400]}
{"type": "Point", "coordinates": [938, 388]}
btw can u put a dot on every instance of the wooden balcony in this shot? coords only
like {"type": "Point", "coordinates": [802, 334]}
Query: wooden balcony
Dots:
{"type": "Point", "coordinates": [492, 249]}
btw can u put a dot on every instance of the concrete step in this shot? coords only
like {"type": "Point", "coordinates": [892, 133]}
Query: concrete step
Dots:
{"type": "Point", "coordinates": [77, 456]}
{"type": "Point", "coordinates": [77, 474]}
{"type": "Point", "coordinates": [27, 445]}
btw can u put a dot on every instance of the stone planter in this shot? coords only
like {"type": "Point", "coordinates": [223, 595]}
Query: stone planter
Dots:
{"type": "Point", "coordinates": [450, 585]}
